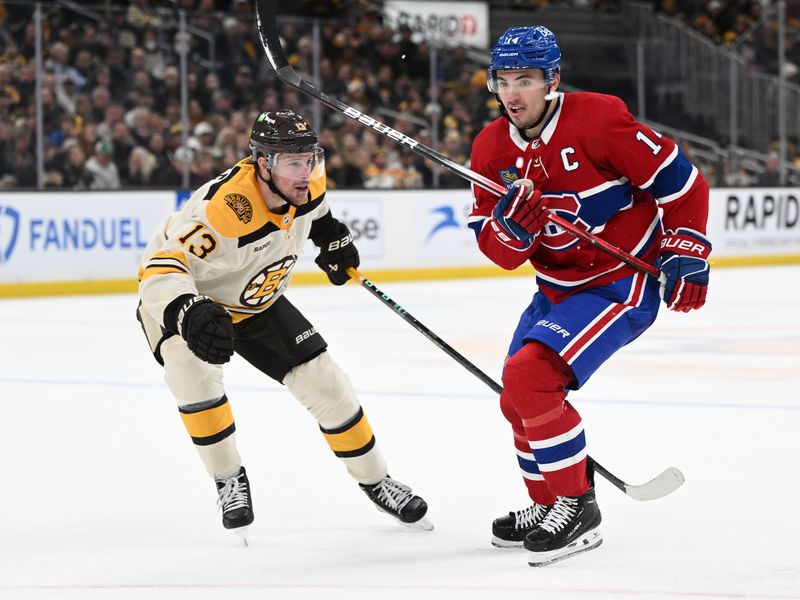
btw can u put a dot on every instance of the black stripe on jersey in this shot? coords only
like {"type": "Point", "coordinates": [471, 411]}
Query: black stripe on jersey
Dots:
{"type": "Point", "coordinates": [270, 227]}
{"type": "Point", "coordinates": [166, 262]}
{"type": "Point", "coordinates": [213, 189]}
{"type": "Point", "coordinates": [306, 208]}
{"type": "Point", "coordinates": [259, 233]}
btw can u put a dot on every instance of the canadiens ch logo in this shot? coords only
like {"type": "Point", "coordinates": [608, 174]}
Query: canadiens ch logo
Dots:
{"type": "Point", "coordinates": [241, 206]}
{"type": "Point", "coordinates": [508, 176]}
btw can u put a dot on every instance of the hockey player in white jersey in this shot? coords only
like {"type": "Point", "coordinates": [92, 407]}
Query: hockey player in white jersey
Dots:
{"type": "Point", "coordinates": [212, 282]}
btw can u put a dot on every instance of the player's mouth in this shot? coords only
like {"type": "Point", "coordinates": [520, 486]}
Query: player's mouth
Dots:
{"type": "Point", "coordinates": [516, 109]}
{"type": "Point", "coordinates": [301, 189]}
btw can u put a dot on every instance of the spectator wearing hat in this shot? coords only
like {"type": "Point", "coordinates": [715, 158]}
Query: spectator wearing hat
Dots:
{"type": "Point", "coordinates": [202, 136]}
{"type": "Point", "coordinates": [100, 166]}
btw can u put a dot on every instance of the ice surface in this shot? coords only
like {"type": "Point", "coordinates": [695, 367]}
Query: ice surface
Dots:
{"type": "Point", "coordinates": [103, 495]}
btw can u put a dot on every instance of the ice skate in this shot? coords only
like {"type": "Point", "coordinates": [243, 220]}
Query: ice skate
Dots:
{"type": "Point", "coordinates": [510, 531]}
{"type": "Point", "coordinates": [236, 503]}
{"type": "Point", "coordinates": [570, 527]}
{"type": "Point", "coordinates": [398, 500]}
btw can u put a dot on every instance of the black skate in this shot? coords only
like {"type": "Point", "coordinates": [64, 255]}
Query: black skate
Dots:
{"type": "Point", "coordinates": [570, 527]}
{"type": "Point", "coordinates": [398, 500]}
{"type": "Point", "coordinates": [236, 503]}
{"type": "Point", "coordinates": [510, 531]}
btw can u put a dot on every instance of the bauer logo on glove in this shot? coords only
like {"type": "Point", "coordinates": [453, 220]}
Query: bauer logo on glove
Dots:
{"type": "Point", "coordinates": [337, 253]}
{"type": "Point", "coordinates": [684, 265]}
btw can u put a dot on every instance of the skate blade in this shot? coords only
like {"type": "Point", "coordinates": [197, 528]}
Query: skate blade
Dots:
{"type": "Point", "coordinates": [424, 524]}
{"type": "Point", "coordinates": [243, 533]}
{"type": "Point", "coordinates": [505, 544]}
{"type": "Point", "coordinates": [589, 541]}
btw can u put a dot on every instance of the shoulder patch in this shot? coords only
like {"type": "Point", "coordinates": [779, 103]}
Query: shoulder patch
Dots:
{"type": "Point", "coordinates": [508, 176]}
{"type": "Point", "coordinates": [241, 206]}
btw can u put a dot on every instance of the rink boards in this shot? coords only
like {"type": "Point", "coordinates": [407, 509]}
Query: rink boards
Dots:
{"type": "Point", "coordinates": [85, 242]}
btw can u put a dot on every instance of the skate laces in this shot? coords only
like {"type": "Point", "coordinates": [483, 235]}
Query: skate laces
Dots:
{"type": "Point", "coordinates": [393, 494]}
{"type": "Point", "coordinates": [232, 495]}
{"type": "Point", "coordinates": [528, 517]}
{"type": "Point", "coordinates": [560, 514]}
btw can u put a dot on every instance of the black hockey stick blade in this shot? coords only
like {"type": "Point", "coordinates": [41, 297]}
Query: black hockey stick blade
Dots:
{"type": "Point", "coordinates": [658, 487]}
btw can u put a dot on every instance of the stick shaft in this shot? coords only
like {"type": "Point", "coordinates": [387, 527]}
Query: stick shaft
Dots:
{"type": "Point", "coordinates": [458, 357]}
{"type": "Point", "coordinates": [270, 40]}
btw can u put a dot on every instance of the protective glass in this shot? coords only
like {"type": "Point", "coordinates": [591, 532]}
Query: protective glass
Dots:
{"type": "Point", "coordinates": [500, 84]}
{"type": "Point", "coordinates": [299, 166]}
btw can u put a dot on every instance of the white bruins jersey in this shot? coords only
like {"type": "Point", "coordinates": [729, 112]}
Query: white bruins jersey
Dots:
{"type": "Point", "coordinates": [227, 245]}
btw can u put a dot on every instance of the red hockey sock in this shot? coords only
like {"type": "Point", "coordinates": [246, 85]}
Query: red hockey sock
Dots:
{"type": "Point", "coordinates": [538, 490]}
{"type": "Point", "coordinates": [535, 381]}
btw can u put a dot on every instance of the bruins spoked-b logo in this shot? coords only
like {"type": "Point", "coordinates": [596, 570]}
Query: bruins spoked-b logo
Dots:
{"type": "Point", "coordinates": [263, 288]}
{"type": "Point", "coordinates": [241, 206]}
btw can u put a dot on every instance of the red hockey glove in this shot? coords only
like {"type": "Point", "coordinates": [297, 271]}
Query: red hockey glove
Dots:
{"type": "Point", "coordinates": [683, 261]}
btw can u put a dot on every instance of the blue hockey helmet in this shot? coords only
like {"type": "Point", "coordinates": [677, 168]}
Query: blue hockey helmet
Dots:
{"type": "Point", "coordinates": [526, 48]}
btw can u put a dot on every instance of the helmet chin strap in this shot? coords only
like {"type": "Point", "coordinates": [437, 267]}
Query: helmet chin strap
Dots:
{"type": "Point", "coordinates": [272, 187]}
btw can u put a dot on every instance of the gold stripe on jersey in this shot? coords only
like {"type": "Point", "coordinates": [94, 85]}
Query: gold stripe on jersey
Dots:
{"type": "Point", "coordinates": [209, 425]}
{"type": "Point", "coordinates": [354, 438]}
{"type": "Point", "coordinates": [164, 263]}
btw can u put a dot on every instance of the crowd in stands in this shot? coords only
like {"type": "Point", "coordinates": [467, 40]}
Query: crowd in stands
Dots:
{"type": "Point", "coordinates": [111, 94]}
{"type": "Point", "coordinates": [112, 104]}
{"type": "Point", "coordinates": [723, 21]}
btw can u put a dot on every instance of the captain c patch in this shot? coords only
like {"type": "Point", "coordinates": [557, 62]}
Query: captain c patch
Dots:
{"type": "Point", "coordinates": [241, 206]}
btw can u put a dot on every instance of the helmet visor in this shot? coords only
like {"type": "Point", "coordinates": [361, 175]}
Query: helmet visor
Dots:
{"type": "Point", "coordinates": [299, 166]}
{"type": "Point", "coordinates": [503, 82]}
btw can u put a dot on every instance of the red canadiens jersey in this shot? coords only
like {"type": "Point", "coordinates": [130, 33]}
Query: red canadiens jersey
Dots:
{"type": "Point", "coordinates": [601, 170]}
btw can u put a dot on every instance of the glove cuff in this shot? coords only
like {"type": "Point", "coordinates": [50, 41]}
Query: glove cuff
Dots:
{"type": "Point", "coordinates": [686, 243]}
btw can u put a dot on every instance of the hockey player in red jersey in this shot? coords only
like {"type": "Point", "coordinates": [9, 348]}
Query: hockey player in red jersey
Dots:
{"type": "Point", "coordinates": [584, 157]}
{"type": "Point", "coordinates": [212, 282]}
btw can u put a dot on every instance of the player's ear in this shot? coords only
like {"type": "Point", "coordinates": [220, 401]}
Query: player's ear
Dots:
{"type": "Point", "coordinates": [262, 168]}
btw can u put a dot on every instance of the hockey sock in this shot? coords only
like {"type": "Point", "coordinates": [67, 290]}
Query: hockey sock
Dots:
{"type": "Point", "coordinates": [535, 381]}
{"type": "Point", "coordinates": [538, 490]}
{"type": "Point", "coordinates": [208, 423]}
{"type": "Point", "coordinates": [212, 429]}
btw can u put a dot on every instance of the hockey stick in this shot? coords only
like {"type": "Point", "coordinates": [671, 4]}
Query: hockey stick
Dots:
{"type": "Point", "coordinates": [658, 487]}
{"type": "Point", "coordinates": [267, 25]}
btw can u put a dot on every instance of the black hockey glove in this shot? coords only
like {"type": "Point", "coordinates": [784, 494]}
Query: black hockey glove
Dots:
{"type": "Point", "coordinates": [207, 328]}
{"type": "Point", "coordinates": [337, 254]}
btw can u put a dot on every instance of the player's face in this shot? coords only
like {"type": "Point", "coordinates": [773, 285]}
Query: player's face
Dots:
{"type": "Point", "coordinates": [522, 92]}
{"type": "Point", "coordinates": [292, 173]}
